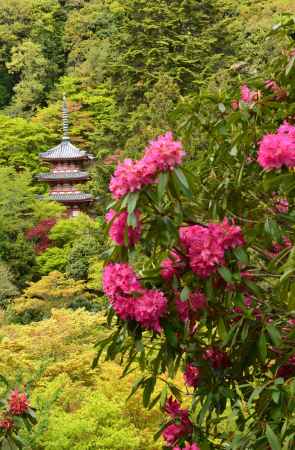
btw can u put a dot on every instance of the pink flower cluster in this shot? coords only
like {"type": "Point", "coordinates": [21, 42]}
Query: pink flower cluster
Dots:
{"type": "Point", "coordinates": [162, 154]}
{"type": "Point", "coordinates": [187, 310]}
{"type": "Point", "coordinates": [173, 432]}
{"type": "Point", "coordinates": [188, 447]}
{"type": "Point", "coordinates": [287, 370]}
{"type": "Point", "coordinates": [118, 227]}
{"type": "Point", "coordinates": [171, 266]}
{"type": "Point", "coordinates": [6, 424]}
{"type": "Point", "coordinates": [217, 358]}
{"type": "Point", "coordinates": [130, 300]}
{"type": "Point", "coordinates": [280, 93]}
{"type": "Point", "coordinates": [278, 150]}
{"type": "Point", "coordinates": [18, 403]}
{"type": "Point", "coordinates": [206, 246]}
{"type": "Point", "coordinates": [282, 205]}
{"type": "Point", "coordinates": [192, 375]}
{"type": "Point", "coordinates": [278, 247]}
{"type": "Point", "coordinates": [247, 96]}
{"type": "Point", "coordinates": [248, 303]}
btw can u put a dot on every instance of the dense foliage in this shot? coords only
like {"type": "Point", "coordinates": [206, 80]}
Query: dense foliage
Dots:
{"type": "Point", "coordinates": [201, 277]}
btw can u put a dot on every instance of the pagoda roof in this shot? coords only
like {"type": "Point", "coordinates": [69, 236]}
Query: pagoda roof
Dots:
{"type": "Point", "coordinates": [54, 176]}
{"type": "Point", "coordinates": [73, 197]}
{"type": "Point", "coordinates": [65, 151]}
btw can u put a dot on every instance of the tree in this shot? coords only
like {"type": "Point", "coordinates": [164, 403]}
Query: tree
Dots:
{"type": "Point", "coordinates": [202, 274]}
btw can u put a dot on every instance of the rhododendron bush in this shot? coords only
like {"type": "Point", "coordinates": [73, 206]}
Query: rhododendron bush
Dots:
{"type": "Point", "coordinates": [15, 411]}
{"type": "Point", "coordinates": [200, 271]}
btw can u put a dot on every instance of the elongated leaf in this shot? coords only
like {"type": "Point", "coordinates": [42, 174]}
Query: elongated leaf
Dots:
{"type": "Point", "coordinates": [184, 295]}
{"type": "Point", "coordinates": [272, 438]}
{"type": "Point", "coordinates": [181, 177]}
{"type": "Point", "coordinates": [274, 334]}
{"type": "Point", "coordinates": [148, 390]}
{"type": "Point", "coordinates": [241, 255]}
{"type": "Point", "coordinates": [132, 202]}
{"type": "Point", "coordinates": [162, 184]}
{"type": "Point", "coordinates": [262, 347]}
{"type": "Point", "coordinates": [225, 274]}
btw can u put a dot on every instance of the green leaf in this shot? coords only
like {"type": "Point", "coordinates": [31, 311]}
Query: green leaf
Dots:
{"type": "Point", "coordinates": [225, 274]}
{"type": "Point", "coordinates": [221, 329]}
{"type": "Point", "coordinates": [162, 184]}
{"type": "Point", "coordinates": [241, 255]}
{"type": "Point", "coordinates": [136, 386]}
{"type": "Point", "coordinates": [262, 347]}
{"type": "Point", "coordinates": [132, 202]}
{"type": "Point", "coordinates": [181, 177]}
{"type": "Point", "coordinates": [272, 439]}
{"type": "Point", "coordinates": [170, 335]}
{"type": "Point", "coordinates": [274, 334]}
{"type": "Point", "coordinates": [148, 390]}
{"type": "Point", "coordinates": [184, 295]}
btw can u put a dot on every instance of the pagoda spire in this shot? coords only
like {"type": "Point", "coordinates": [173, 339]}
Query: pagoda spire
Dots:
{"type": "Point", "coordinates": [65, 118]}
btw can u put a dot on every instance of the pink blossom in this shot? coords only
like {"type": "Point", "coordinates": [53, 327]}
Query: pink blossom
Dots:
{"type": "Point", "coordinates": [173, 433]}
{"type": "Point", "coordinates": [164, 153]}
{"type": "Point", "coordinates": [247, 95]}
{"type": "Point", "coordinates": [217, 358]}
{"type": "Point", "coordinates": [196, 302]}
{"type": "Point", "coordinates": [280, 93]}
{"type": "Point", "coordinates": [6, 424]}
{"type": "Point", "coordinates": [18, 403]}
{"type": "Point", "coordinates": [118, 227]}
{"type": "Point", "coordinates": [287, 370]}
{"type": "Point", "coordinates": [235, 104]}
{"type": "Point", "coordinates": [188, 447]}
{"type": "Point", "coordinates": [130, 176]}
{"type": "Point", "coordinates": [282, 205]}
{"type": "Point", "coordinates": [172, 407]}
{"type": "Point", "coordinates": [287, 129]}
{"type": "Point", "coordinates": [149, 308]}
{"type": "Point", "coordinates": [192, 375]}
{"type": "Point", "coordinates": [130, 300]}
{"type": "Point", "coordinates": [171, 266]}
{"type": "Point", "coordinates": [276, 151]}
{"type": "Point", "coordinates": [206, 246]}
{"type": "Point", "coordinates": [120, 279]}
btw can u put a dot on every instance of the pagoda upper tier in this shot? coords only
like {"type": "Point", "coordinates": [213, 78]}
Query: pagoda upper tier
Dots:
{"type": "Point", "coordinates": [67, 170]}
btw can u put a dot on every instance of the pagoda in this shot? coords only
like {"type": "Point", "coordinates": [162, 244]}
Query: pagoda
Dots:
{"type": "Point", "coordinates": [67, 170]}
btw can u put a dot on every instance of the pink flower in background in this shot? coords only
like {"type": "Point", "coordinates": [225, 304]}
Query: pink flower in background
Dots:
{"type": "Point", "coordinates": [282, 205]}
{"type": "Point", "coordinates": [18, 403]}
{"type": "Point", "coordinates": [235, 104]}
{"type": "Point", "coordinates": [279, 92]}
{"type": "Point", "coordinates": [276, 151]}
{"type": "Point", "coordinates": [173, 433]}
{"type": "Point", "coordinates": [149, 308]}
{"type": "Point", "coordinates": [6, 424]}
{"type": "Point", "coordinates": [216, 357]}
{"type": "Point", "coordinates": [248, 96]}
{"type": "Point", "coordinates": [120, 279]}
{"type": "Point", "coordinates": [287, 370]}
{"type": "Point", "coordinates": [171, 266]}
{"type": "Point", "coordinates": [192, 375]}
{"type": "Point", "coordinates": [188, 447]}
{"type": "Point", "coordinates": [287, 129]}
{"type": "Point", "coordinates": [196, 302]}
{"type": "Point", "coordinates": [118, 227]}
{"type": "Point", "coordinates": [164, 153]}
{"type": "Point", "coordinates": [172, 407]}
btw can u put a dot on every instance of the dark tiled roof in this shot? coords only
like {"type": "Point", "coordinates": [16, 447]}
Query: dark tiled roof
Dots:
{"type": "Point", "coordinates": [63, 176]}
{"type": "Point", "coordinates": [65, 150]}
{"type": "Point", "coordinates": [70, 197]}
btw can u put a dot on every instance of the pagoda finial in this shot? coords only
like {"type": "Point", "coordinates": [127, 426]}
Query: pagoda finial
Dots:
{"type": "Point", "coordinates": [65, 118]}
